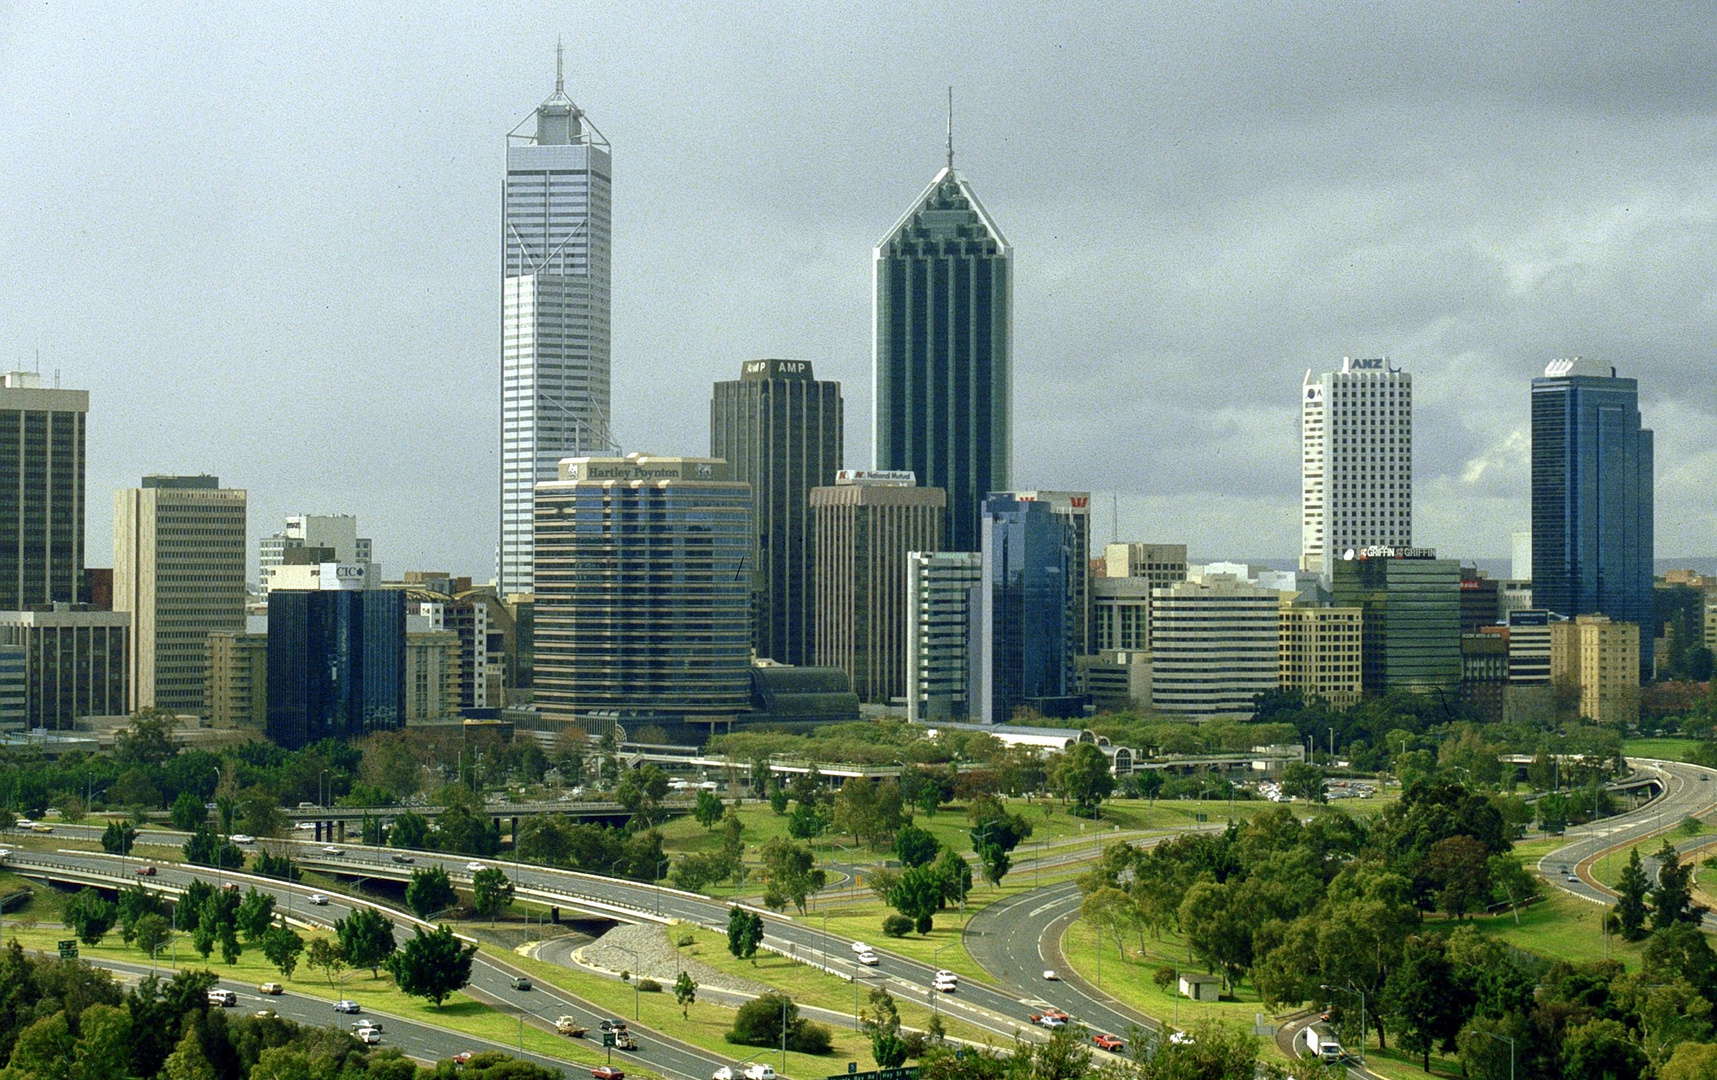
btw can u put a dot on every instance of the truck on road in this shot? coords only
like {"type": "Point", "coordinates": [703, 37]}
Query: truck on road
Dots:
{"type": "Point", "coordinates": [1322, 1045]}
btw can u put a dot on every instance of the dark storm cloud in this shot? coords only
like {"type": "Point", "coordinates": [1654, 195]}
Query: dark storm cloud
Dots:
{"type": "Point", "coordinates": [267, 241]}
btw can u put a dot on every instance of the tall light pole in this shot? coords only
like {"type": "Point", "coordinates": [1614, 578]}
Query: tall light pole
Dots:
{"type": "Point", "coordinates": [1510, 1042]}
{"type": "Point", "coordinates": [218, 848]}
{"type": "Point", "coordinates": [321, 796]}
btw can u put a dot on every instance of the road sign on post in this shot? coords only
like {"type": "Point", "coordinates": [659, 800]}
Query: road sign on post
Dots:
{"type": "Point", "coordinates": [69, 949]}
{"type": "Point", "coordinates": [852, 1067]}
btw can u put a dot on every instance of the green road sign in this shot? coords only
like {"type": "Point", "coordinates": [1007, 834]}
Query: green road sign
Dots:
{"type": "Point", "coordinates": [909, 1072]}
{"type": "Point", "coordinates": [69, 949]}
{"type": "Point", "coordinates": [607, 1038]}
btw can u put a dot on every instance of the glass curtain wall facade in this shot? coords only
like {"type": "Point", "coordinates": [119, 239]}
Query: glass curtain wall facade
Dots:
{"type": "Point", "coordinates": [1411, 628]}
{"type": "Point", "coordinates": [336, 664]}
{"type": "Point", "coordinates": [1024, 655]}
{"type": "Point", "coordinates": [1592, 499]}
{"type": "Point", "coordinates": [41, 492]}
{"type": "Point", "coordinates": [555, 279]}
{"type": "Point", "coordinates": [781, 431]}
{"type": "Point", "coordinates": [942, 359]}
{"type": "Point", "coordinates": [643, 602]}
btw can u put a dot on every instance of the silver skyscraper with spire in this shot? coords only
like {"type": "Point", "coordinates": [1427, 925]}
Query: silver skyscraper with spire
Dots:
{"type": "Point", "coordinates": [555, 224]}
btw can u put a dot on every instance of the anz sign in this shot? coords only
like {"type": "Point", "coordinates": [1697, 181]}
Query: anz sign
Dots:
{"type": "Point", "coordinates": [1350, 365]}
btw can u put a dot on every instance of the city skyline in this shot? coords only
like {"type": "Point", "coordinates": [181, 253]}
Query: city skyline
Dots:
{"type": "Point", "coordinates": [1166, 291]}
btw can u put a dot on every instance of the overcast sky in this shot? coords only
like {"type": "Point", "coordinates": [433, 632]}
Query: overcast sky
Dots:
{"type": "Point", "coordinates": [266, 239]}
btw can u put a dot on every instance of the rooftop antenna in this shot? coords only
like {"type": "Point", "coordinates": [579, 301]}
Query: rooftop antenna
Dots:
{"type": "Point", "coordinates": [559, 58]}
{"type": "Point", "coordinates": [950, 129]}
{"type": "Point", "coordinates": [1115, 517]}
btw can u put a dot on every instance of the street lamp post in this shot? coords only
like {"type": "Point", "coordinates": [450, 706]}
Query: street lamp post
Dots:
{"type": "Point", "coordinates": [1510, 1042]}
{"type": "Point", "coordinates": [1361, 993]}
{"type": "Point", "coordinates": [635, 979]}
{"type": "Point", "coordinates": [219, 851]}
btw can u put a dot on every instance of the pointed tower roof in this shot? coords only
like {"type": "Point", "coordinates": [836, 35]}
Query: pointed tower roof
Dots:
{"type": "Point", "coordinates": [559, 120]}
{"type": "Point", "coordinates": [945, 210]}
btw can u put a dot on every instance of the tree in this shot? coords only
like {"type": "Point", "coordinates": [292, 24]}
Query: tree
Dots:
{"type": "Point", "coordinates": [188, 1061]}
{"type": "Point", "coordinates": [744, 932]}
{"type": "Point", "coordinates": [1601, 1050]}
{"type": "Point", "coordinates": [268, 864]}
{"type": "Point", "coordinates": [148, 740]}
{"type": "Point", "coordinates": [366, 938]}
{"type": "Point", "coordinates": [491, 892]}
{"type": "Point", "coordinates": [1081, 776]}
{"type": "Point", "coordinates": [432, 965]}
{"type": "Point", "coordinates": [326, 955]}
{"type": "Point", "coordinates": [1672, 899]}
{"type": "Point", "coordinates": [685, 992]}
{"type": "Point", "coordinates": [1631, 889]}
{"type": "Point", "coordinates": [255, 914]}
{"type": "Point", "coordinates": [918, 896]}
{"type": "Point", "coordinates": [151, 932]}
{"type": "Point", "coordinates": [1218, 930]}
{"type": "Point", "coordinates": [118, 838]}
{"type": "Point", "coordinates": [132, 903]}
{"type": "Point", "coordinates": [429, 891]}
{"type": "Point", "coordinates": [641, 791]}
{"type": "Point", "coordinates": [188, 812]}
{"type": "Point", "coordinates": [708, 810]}
{"type": "Point", "coordinates": [204, 848]}
{"type": "Point", "coordinates": [996, 862]}
{"type": "Point", "coordinates": [281, 944]}
{"type": "Point", "coordinates": [259, 809]}
{"type": "Point", "coordinates": [1423, 997]}
{"type": "Point", "coordinates": [882, 1024]}
{"type": "Point", "coordinates": [1303, 781]}
{"type": "Point", "coordinates": [807, 821]}
{"type": "Point", "coordinates": [89, 916]}
{"type": "Point", "coordinates": [1111, 909]}
{"type": "Point", "coordinates": [1460, 866]}
{"type": "Point", "coordinates": [760, 1022]}
{"type": "Point", "coordinates": [217, 923]}
{"type": "Point", "coordinates": [410, 830]}
{"type": "Point", "coordinates": [1691, 1061]}
{"type": "Point", "coordinates": [955, 874]}
{"type": "Point", "coordinates": [791, 873]}
{"type": "Point", "coordinates": [915, 846]}
{"type": "Point", "coordinates": [468, 832]}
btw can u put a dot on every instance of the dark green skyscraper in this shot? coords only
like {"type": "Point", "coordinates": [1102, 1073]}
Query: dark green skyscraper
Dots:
{"type": "Point", "coordinates": [782, 431]}
{"type": "Point", "coordinates": [943, 351]}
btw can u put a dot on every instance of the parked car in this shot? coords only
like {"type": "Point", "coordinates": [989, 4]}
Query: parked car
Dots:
{"type": "Point", "coordinates": [346, 1005]}
{"type": "Point", "coordinates": [318, 899]}
{"type": "Point", "coordinates": [607, 1072]}
{"type": "Point", "coordinates": [1111, 1043]}
{"type": "Point", "coordinates": [145, 871]}
{"type": "Point", "coordinates": [271, 988]}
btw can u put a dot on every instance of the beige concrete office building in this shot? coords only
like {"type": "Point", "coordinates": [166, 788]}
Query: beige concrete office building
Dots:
{"type": "Point", "coordinates": [431, 675]}
{"type": "Point", "coordinates": [1215, 644]}
{"type": "Point", "coordinates": [863, 530]}
{"type": "Point", "coordinates": [1320, 651]}
{"type": "Point", "coordinates": [237, 684]}
{"type": "Point", "coordinates": [179, 571]}
{"type": "Point", "coordinates": [1121, 597]}
{"type": "Point", "coordinates": [1601, 659]}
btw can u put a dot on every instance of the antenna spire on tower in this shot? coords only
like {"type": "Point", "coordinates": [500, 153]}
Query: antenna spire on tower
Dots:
{"type": "Point", "coordinates": [559, 71]}
{"type": "Point", "coordinates": [950, 129]}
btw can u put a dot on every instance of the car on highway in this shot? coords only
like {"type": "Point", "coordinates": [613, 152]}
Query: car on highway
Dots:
{"type": "Point", "coordinates": [462, 1057]}
{"type": "Point", "coordinates": [475, 867]}
{"type": "Point", "coordinates": [271, 988]}
{"type": "Point", "coordinates": [861, 947]}
{"type": "Point", "coordinates": [226, 999]}
{"type": "Point", "coordinates": [318, 899]}
{"type": "Point", "coordinates": [145, 871]}
{"type": "Point", "coordinates": [1050, 1018]}
{"type": "Point", "coordinates": [725, 1072]}
{"type": "Point", "coordinates": [612, 1025]}
{"type": "Point", "coordinates": [947, 986]}
{"type": "Point", "coordinates": [242, 838]}
{"type": "Point", "coordinates": [366, 1022]}
{"type": "Point", "coordinates": [265, 1014]}
{"type": "Point", "coordinates": [1575, 878]}
{"type": "Point", "coordinates": [346, 1005]}
{"type": "Point", "coordinates": [23, 823]}
{"type": "Point", "coordinates": [607, 1072]}
{"type": "Point", "coordinates": [948, 975]}
{"type": "Point", "coordinates": [869, 959]}
{"type": "Point", "coordinates": [305, 826]}
{"type": "Point", "coordinates": [403, 859]}
{"type": "Point", "coordinates": [1049, 975]}
{"type": "Point", "coordinates": [756, 1070]}
{"type": "Point", "coordinates": [41, 826]}
{"type": "Point", "coordinates": [1112, 1043]}
{"type": "Point", "coordinates": [332, 850]}
{"type": "Point", "coordinates": [368, 1036]}
{"type": "Point", "coordinates": [521, 983]}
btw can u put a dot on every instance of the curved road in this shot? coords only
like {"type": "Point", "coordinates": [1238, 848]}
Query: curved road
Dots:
{"type": "Point", "coordinates": [1689, 791]}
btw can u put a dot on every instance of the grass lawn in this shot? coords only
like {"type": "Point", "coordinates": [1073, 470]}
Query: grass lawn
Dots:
{"type": "Point", "coordinates": [1559, 927]}
{"type": "Point", "coordinates": [460, 1012]}
{"type": "Point", "coordinates": [1669, 749]}
{"type": "Point", "coordinates": [1130, 980]}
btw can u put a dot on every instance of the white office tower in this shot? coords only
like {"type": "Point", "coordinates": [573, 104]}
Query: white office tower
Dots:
{"type": "Point", "coordinates": [336, 532]}
{"type": "Point", "coordinates": [939, 599]}
{"type": "Point", "coordinates": [555, 217]}
{"type": "Point", "coordinates": [1215, 644]}
{"type": "Point", "coordinates": [1356, 461]}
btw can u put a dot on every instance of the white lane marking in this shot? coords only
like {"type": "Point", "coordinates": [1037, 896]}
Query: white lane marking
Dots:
{"type": "Point", "coordinates": [1041, 908]}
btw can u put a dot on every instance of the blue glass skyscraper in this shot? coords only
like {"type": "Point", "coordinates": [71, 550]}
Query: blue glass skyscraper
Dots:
{"type": "Point", "coordinates": [1592, 498]}
{"type": "Point", "coordinates": [1022, 652]}
{"type": "Point", "coordinates": [336, 664]}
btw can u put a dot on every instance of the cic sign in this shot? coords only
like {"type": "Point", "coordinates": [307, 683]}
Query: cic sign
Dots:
{"type": "Point", "coordinates": [344, 577]}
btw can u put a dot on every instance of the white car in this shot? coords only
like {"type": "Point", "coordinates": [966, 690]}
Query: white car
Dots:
{"type": "Point", "coordinates": [723, 1073]}
{"type": "Point", "coordinates": [759, 1071]}
{"type": "Point", "coordinates": [305, 826]}
{"type": "Point", "coordinates": [242, 838]}
{"type": "Point", "coordinates": [332, 850]}
{"type": "Point", "coordinates": [947, 986]}
{"type": "Point", "coordinates": [346, 1005]}
{"type": "Point", "coordinates": [947, 975]}
{"type": "Point", "coordinates": [861, 947]}
{"type": "Point", "coordinates": [318, 899]}
{"type": "Point", "coordinates": [869, 959]}
{"type": "Point", "coordinates": [475, 867]}
{"type": "Point", "coordinates": [368, 1036]}
{"type": "Point", "coordinates": [23, 823]}
{"type": "Point", "coordinates": [366, 1022]}
{"type": "Point", "coordinates": [1050, 975]}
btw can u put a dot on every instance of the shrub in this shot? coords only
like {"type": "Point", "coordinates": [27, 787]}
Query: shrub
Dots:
{"type": "Point", "coordinates": [897, 926]}
{"type": "Point", "coordinates": [1163, 977]}
{"type": "Point", "coordinates": [685, 939]}
{"type": "Point", "coordinates": [809, 1038]}
{"type": "Point", "coordinates": [649, 986]}
{"type": "Point", "coordinates": [758, 1023]}
{"type": "Point", "coordinates": [626, 976]}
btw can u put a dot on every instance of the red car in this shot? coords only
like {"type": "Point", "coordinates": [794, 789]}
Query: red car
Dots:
{"type": "Point", "coordinates": [462, 1057]}
{"type": "Point", "coordinates": [1108, 1042]}
{"type": "Point", "coordinates": [145, 871]}
{"type": "Point", "coordinates": [607, 1072]}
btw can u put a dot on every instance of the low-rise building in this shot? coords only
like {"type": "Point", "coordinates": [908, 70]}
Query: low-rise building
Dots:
{"type": "Point", "coordinates": [76, 663]}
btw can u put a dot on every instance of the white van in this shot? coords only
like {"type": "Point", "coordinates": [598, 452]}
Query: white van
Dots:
{"type": "Point", "coordinates": [226, 999]}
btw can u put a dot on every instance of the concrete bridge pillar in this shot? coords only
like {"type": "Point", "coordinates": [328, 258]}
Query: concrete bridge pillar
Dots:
{"type": "Point", "coordinates": [554, 915]}
{"type": "Point", "coordinates": [318, 832]}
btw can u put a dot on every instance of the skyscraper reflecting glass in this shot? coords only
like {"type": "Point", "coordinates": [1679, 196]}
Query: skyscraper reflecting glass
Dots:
{"type": "Point", "coordinates": [943, 351]}
{"type": "Point", "coordinates": [1592, 498]}
{"type": "Point", "coordinates": [555, 216]}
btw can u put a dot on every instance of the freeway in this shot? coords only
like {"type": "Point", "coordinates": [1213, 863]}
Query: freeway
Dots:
{"type": "Point", "coordinates": [491, 979]}
{"type": "Point", "coordinates": [1689, 791]}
